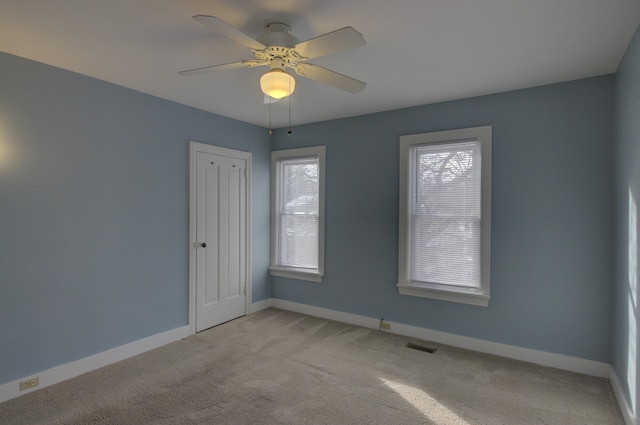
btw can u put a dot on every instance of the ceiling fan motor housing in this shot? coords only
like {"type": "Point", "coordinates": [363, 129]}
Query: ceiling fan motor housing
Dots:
{"type": "Point", "coordinates": [277, 34]}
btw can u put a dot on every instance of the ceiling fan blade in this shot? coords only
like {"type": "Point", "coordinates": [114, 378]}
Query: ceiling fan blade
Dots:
{"type": "Point", "coordinates": [332, 78]}
{"type": "Point", "coordinates": [233, 65]}
{"type": "Point", "coordinates": [335, 41]}
{"type": "Point", "coordinates": [229, 31]}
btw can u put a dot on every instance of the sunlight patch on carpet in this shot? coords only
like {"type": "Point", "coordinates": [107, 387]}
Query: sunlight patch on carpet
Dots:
{"type": "Point", "coordinates": [423, 402]}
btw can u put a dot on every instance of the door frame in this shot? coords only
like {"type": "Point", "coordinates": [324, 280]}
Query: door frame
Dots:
{"type": "Point", "coordinates": [194, 148]}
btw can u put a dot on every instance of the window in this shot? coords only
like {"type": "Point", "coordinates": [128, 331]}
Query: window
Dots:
{"type": "Point", "coordinates": [445, 197]}
{"type": "Point", "coordinates": [297, 213]}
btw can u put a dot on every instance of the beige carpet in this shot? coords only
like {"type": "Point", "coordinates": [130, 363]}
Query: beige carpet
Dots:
{"type": "Point", "coordinates": [277, 367]}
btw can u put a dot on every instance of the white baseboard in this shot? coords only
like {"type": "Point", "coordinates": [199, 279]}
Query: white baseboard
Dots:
{"type": "Point", "coordinates": [623, 403]}
{"type": "Point", "coordinates": [559, 361]}
{"type": "Point", "coordinates": [72, 369]}
{"type": "Point", "coordinates": [61, 373]}
{"type": "Point", "coordinates": [261, 305]}
{"type": "Point", "coordinates": [325, 313]}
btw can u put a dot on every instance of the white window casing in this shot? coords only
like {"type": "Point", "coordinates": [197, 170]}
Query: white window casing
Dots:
{"type": "Point", "coordinates": [297, 213]}
{"type": "Point", "coordinates": [445, 215]}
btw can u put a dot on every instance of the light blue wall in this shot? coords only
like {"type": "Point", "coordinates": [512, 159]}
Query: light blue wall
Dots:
{"type": "Point", "coordinates": [627, 201]}
{"type": "Point", "coordinates": [94, 213]}
{"type": "Point", "coordinates": [551, 217]}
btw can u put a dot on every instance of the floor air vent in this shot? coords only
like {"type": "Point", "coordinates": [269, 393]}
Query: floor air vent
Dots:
{"type": "Point", "coordinates": [421, 347]}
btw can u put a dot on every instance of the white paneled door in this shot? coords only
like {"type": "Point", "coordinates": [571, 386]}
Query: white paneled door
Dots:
{"type": "Point", "coordinates": [221, 237]}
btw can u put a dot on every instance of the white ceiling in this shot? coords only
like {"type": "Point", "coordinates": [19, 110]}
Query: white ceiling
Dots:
{"type": "Point", "coordinates": [417, 51]}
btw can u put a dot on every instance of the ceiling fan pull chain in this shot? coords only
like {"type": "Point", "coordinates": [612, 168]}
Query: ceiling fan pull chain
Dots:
{"type": "Point", "coordinates": [289, 131]}
{"type": "Point", "coordinates": [270, 102]}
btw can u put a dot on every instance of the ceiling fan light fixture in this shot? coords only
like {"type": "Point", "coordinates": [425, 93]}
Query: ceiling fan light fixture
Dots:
{"type": "Point", "coordinates": [277, 83]}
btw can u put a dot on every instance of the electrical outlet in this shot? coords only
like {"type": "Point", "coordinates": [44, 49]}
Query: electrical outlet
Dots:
{"type": "Point", "coordinates": [29, 383]}
{"type": "Point", "coordinates": [386, 326]}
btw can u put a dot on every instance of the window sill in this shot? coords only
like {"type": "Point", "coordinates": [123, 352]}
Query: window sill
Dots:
{"type": "Point", "coordinates": [292, 273]}
{"type": "Point", "coordinates": [473, 298]}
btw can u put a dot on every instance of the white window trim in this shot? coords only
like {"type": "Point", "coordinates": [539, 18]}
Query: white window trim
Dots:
{"type": "Point", "coordinates": [293, 272]}
{"type": "Point", "coordinates": [479, 297]}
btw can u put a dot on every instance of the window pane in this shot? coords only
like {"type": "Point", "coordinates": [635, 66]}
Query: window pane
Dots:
{"type": "Point", "coordinates": [299, 241]}
{"type": "Point", "coordinates": [300, 186]}
{"type": "Point", "coordinates": [299, 207]}
{"type": "Point", "coordinates": [448, 179]}
{"type": "Point", "coordinates": [446, 250]}
{"type": "Point", "coordinates": [445, 214]}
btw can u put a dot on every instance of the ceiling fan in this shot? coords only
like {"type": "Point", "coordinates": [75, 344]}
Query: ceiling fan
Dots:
{"type": "Point", "coordinates": [277, 48]}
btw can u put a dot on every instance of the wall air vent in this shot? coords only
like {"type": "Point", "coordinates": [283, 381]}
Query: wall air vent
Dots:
{"type": "Point", "coordinates": [419, 347]}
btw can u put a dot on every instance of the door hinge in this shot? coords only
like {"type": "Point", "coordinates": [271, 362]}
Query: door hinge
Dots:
{"type": "Point", "coordinates": [245, 289]}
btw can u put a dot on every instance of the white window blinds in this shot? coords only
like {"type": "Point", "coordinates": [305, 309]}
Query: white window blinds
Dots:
{"type": "Point", "coordinates": [444, 240]}
{"type": "Point", "coordinates": [445, 214]}
{"type": "Point", "coordinates": [298, 211]}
